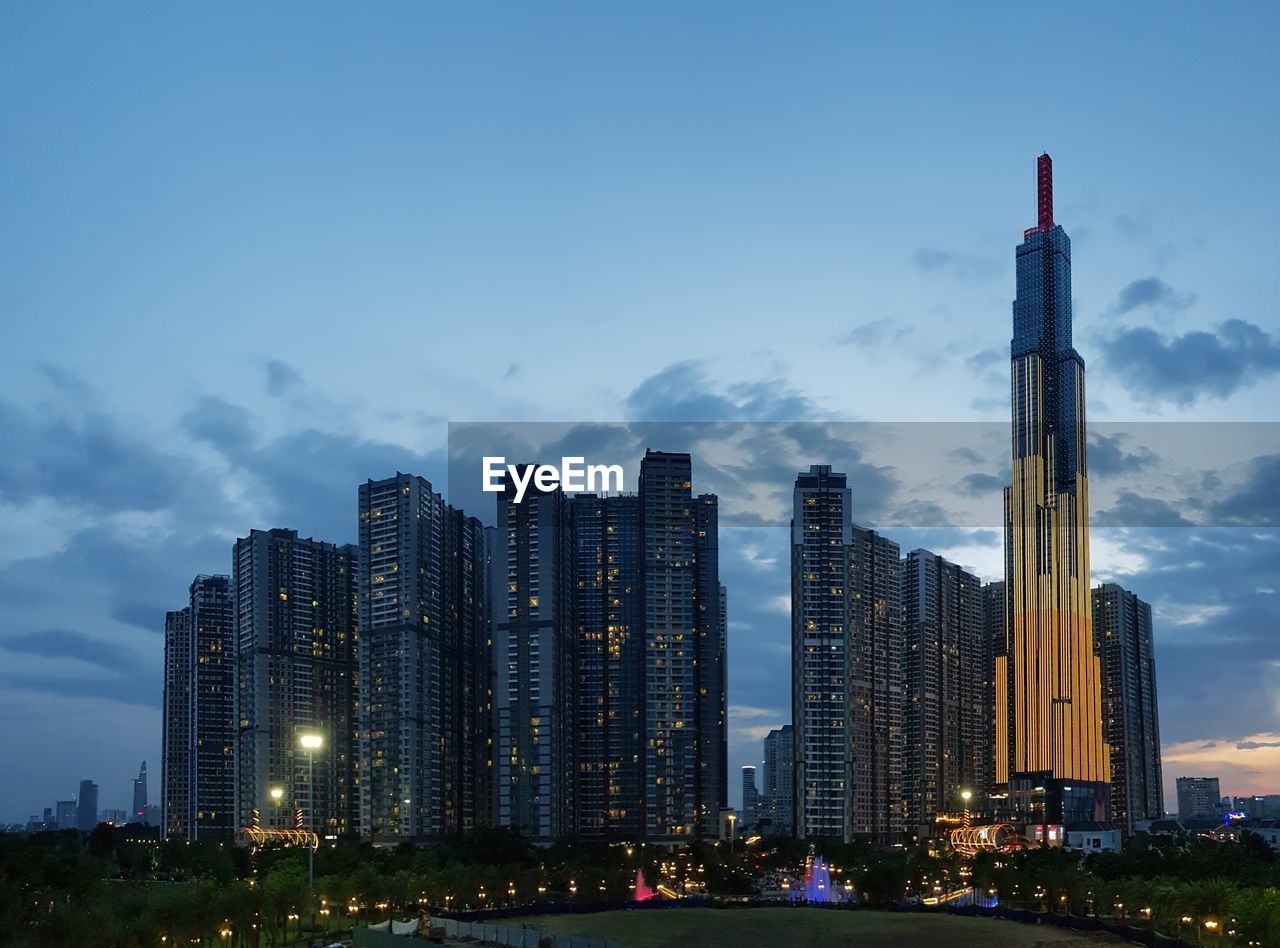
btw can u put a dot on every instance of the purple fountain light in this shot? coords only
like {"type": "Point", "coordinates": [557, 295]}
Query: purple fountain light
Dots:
{"type": "Point", "coordinates": [643, 892]}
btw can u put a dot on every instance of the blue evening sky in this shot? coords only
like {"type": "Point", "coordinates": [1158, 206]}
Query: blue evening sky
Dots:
{"type": "Point", "coordinates": [251, 254]}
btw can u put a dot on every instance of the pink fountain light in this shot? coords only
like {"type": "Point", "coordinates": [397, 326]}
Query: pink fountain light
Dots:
{"type": "Point", "coordinates": [643, 892]}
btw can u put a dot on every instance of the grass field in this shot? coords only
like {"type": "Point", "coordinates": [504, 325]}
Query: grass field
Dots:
{"type": "Point", "coordinates": [801, 928]}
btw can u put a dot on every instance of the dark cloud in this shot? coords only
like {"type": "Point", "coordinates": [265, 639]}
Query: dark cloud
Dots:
{"type": "Point", "coordinates": [877, 332]}
{"type": "Point", "coordinates": [64, 380]}
{"type": "Point", "coordinates": [967, 454]}
{"type": "Point", "coordinates": [64, 643]}
{"type": "Point", "coordinates": [1150, 291]}
{"type": "Point", "coordinates": [1133, 510]}
{"type": "Point", "coordinates": [682, 392]}
{"type": "Point", "coordinates": [929, 259]}
{"type": "Point", "coordinates": [282, 378]}
{"type": "Point", "coordinates": [512, 369]}
{"type": "Point", "coordinates": [1256, 502]}
{"type": "Point", "coordinates": [981, 361]}
{"type": "Point", "coordinates": [1107, 455]}
{"type": "Point", "coordinates": [225, 426]}
{"type": "Point", "coordinates": [1255, 745]}
{"type": "Point", "coordinates": [1199, 364]}
{"type": "Point", "coordinates": [92, 461]}
{"type": "Point", "coordinates": [974, 484]}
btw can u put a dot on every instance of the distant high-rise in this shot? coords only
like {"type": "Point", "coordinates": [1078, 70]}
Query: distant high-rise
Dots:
{"type": "Point", "coordinates": [949, 698]}
{"type": "Point", "coordinates": [175, 758]}
{"type": "Point", "coordinates": [424, 680]}
{"type": "Point", "coordinates": [779, 789]}
{"type": "Point", "coordinates": [610, 672]}
{"type": "Point", "coordinates": [295, 633]}
{"type": "Point", "coordinates": [1050, 752]}
{"type": "Point", "coordinates": [66, 814]}
{"type": "Point", "coordinates": [1122, 637]}
{"type": "Point", "coordinates": [87, 806]}
{"type": "Point", "coordinates": [684, 652]}
{"type": "Point", "coordinates": [1199, 798]}
{"type": "Point", "coordinates": [847, 667]}
{"type": "Point", "coordinates": [139, 812]}
{"type": "Point", "coordinates": [535, 659]}
{"type": "Point", "coordinates": [750, 797]}
{"type": "Point", "coordinates": [211, 787]}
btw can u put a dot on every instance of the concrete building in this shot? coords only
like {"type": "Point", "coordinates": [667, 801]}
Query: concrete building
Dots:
{"type": "Point", "coordinates": [750, 798]}
{"type": "Point", "coordinates": [535, 648]}
{"type": "Point", "coordinates": [1199, 798]}
{"type": "Point", "coordinates": [779, 790]}
{"type": "Point", "coordinates": [949, 698]}
{"type": "Point", "coordinates": [175, 759]}
{"type": "Point", "coordinates": [425, 682]}
{"type": "Point", "coordinates": [87, 806]}
{"type": "Point", "coordinates": [610, 665]}
{"type": "Point", "coordinates": [296, 671]}
{"type": "Point", "coordinates": [211, 787]}
{"type": "Point", "coordinates": [139, 811]}
{"type": "Point", "coordinates": [1123, 640]}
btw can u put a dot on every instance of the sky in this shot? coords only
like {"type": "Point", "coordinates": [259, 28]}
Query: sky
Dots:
{"type": "Point", "coordinates": [252, 255]}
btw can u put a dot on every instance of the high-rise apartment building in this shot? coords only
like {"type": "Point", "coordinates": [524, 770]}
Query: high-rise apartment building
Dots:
{"type": "Point", "coordinates": [949, 698]}
{"type": "Point", "coordinates": [139, 811]}
{"type": "Point", "coordinates": [779, 780]}
{"type": "Point", "coordinates": [66, 814]}
{"type": "Point", "coordinates": [424, 665]}
{"type": "Point", "coordinates": [1122, 637]}
{"type": "Point", "coordinates": [1050, 751]}
{"type": "Point", "coordinates": [684, 652]}
{"type": "Point", "coordinates": [87, 806]}
{"type": "Point", "coordinates": [1199, 798]}
{"type": "Point", "coordinates": [610, 665]}
{"type": "Point", "coordinates": [535, 646]}
{"type": "Point", "coordinates": [211, 787]}
{"type": "Point", "coordinates": [847, 667]}
{"type": "Point", "coordinates": [750, 797]}
{"type": "Point", "coordinates": [175, 757]}
{"type": "Point", "coordinates": [295, 633]}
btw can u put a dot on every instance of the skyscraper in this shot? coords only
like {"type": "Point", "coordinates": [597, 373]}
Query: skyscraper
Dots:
{"type": "Point", "coordinates": [1199, 798]}
{"type": "Point", "coordinates": [87, 806]}
{"type": "Point", "coordinates": [296, 668]}
{"type": "Point", "coordinates": [175, 758]}
{"type": "Point", "coordinates": [846, 666]}
{"type": "Point", "coordinates": [779, 788]}
{"type": "Point", "coordinates": [424, 678]}
{"type": "Point", "coordinates": [535, 658]}
{"type": "Point", "coordinates": [607, 609]}
{"type": "Point", "coordinates": [211, 787]}
{"type": "Point", "coordinates": [1050, 753]}
{"type": "Point", "coordinates": [684, 651]}
{"type": "Point", "coordinates": [821, 535]}
{"type": "Point", "coordinates": [139, 811]}
{"type": "Point", "coordinates": [750, 798]}
{"type": "Point", "coordinates": [949, 699]}
{"type": "Point", "coordinates": [66, 814]}
{"type": "Point", "coordinates": [1122, 637]}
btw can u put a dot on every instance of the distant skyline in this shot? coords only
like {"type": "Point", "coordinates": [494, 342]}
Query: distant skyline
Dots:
{"type": "Point", "coordinates": [255, 256]}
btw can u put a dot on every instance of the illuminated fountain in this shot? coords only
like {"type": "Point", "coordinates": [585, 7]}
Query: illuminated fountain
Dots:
{"type": "Point", "coordinates": [817, 885]}
{"type": "Point", "coordinates": [643, 892]}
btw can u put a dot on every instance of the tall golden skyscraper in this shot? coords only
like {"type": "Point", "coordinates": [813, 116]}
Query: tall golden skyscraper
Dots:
{"type": "Point", "coordinates": [1050, 753]}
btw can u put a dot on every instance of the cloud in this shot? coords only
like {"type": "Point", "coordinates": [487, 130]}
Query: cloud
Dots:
{"type": "Point", "coordinates": [1133, 510]}
{"type": "Point", "coordinates": [975, 484]}
{"type": "Point", "coordinates": [1183, 369]}
{"type": "Point", "coordinates": [877, 332]}
{"type": "Point", "coordinates": [282, 378]}
{"type": "Point", "coordinates": [929, 259]}
{"type": "Point", "coordinates": [1256, 501]}
{"type": "Point", "coordinates": [1150, 291]}
{"type": "Point", "coordinates": [981, 361]}
{"type": "Point", "coordinates": [512, 369]}
{"type": "Point", "coordinates": [683, 392]}
{"type": "Point", "coordinates": [1245, 765]}
{"type": "Point", "coordinates": [1107, 455]}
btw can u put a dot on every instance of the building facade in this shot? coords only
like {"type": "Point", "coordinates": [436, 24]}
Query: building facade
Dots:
{"type": "Point", "coordinates": [139, 811]}
{"type": "Point", "coordinates": [1199, 798]}
{"type": "Point", "coordinates": [424, 684]}
{"type": "Point", "coordinates": [535, 648]}
{"type": "Point", "coordinates": [87, 806]}
{"type": "Point", "coordinates": [295, 633]}
{"type": "Point", "coordinates": [684, 652]}
{"type": "Point", "coordinates": [779, 788]}
{"type": "Point", "coordinates": [750, 798]}
{"type": "Point", "coordinates": [211, 787]}
{"type": "Point", "coordinates": [175, 757]}
{"type": "Point", "coordinates": [1123, 639]}
{"type": "Point", "coordinates": [610, 665]}
{"type": "Point", "coordinates": [949, 700]}
{"type": "Point", "coordinates": [1050, 753]}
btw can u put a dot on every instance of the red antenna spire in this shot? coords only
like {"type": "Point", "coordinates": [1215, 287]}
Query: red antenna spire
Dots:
{"type": "Point", "coordinates": [1044, 175]}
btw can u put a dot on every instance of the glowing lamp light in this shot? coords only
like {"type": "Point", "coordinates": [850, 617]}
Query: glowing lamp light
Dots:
{"type": "Point", "coordinates": [311, 741]}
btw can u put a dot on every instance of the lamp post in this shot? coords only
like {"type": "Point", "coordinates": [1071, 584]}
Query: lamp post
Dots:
{"type": "Point", "coordinates": [965, 795]}
{"type": "Point", "coordinates": [311, 743]}
{"type": "Point", "coordinates": [277, 794]}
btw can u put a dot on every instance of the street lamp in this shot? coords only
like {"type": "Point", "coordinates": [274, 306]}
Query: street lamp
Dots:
{"type": "Point", "coordinates": [965, 795]}
{"type": "Point", "coordinates": [311, 742]}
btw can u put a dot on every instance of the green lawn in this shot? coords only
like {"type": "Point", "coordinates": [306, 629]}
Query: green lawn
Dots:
{"type": "Point", "coordinates": [800, 928]}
